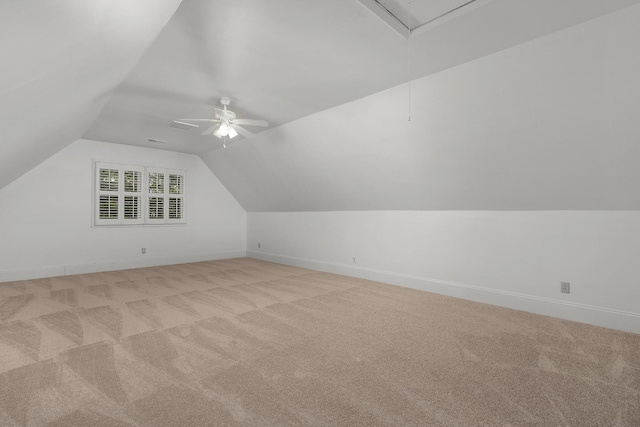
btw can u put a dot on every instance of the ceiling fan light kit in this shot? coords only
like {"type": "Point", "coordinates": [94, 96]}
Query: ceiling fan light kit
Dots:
{"type": "Point", "coordinates": [226, 123]}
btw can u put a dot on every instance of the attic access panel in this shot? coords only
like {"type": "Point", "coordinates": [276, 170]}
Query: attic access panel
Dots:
{"type": "Point", "coordinates": [423, 12]}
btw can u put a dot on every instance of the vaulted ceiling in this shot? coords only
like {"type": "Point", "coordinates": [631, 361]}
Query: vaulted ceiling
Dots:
{"type": "Point", "coordinates": [330, 77]}
{"type": "Point", "coordinates": [62, 61]}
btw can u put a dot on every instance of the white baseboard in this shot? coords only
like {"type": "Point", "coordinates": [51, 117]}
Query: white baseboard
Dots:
{"type": "Point", "coordinates": [96, 267]}
{"type": "Point", "coordinates": [599, 316]}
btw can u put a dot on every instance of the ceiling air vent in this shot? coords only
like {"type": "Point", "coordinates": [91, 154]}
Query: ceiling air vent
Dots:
{"type": "Point", "coordinates": [182, 125]}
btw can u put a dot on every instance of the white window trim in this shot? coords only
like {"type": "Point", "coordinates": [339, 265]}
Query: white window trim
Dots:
{"type": "Point", "coordinates": [165, 195]}
{"type": "Point", "coordinates": [144, 195]}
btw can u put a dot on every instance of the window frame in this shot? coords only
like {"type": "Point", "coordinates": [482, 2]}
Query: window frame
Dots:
{"type": "Point", "coordinates": [165, 195]}
{"type": "Point", "coordinates": [144, 195]}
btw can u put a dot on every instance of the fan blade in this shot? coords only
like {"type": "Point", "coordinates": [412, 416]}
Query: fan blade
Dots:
{"type": "Point", "coordinates": [251, 122]}
{"type": "Point", "coordinates": [242, 131]}
{"type": "Point", "coordinates": [198, 120]}
{"type": "Point", "coordinates": [210, 130]}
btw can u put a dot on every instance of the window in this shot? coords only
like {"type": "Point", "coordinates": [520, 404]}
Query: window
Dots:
{"type": "Point", "coordinates": [176, 195]}
{"type": "Point", "coordinates": [165, 197]}
{"type": "Point", "coordinates": [135, 195]}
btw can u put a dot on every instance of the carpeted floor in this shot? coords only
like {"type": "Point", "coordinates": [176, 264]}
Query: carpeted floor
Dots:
{"type": "Point", "coordinates": [244, 342]}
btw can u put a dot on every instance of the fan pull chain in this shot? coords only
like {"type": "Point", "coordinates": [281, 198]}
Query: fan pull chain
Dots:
{"type": "Point", "coordinates": [409, 59]}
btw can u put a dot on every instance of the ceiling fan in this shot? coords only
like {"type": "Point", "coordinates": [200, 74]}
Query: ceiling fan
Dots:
{"type": "Point", "coordinates": [226, 124]}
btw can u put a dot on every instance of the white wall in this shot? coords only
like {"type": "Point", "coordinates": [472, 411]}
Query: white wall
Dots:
{"type": "Point", "coordinates": [46, 217]}
{"type": "Point", "coordinates": [517, 171]}
{"type": "Point", "coordinates": [512, 259]}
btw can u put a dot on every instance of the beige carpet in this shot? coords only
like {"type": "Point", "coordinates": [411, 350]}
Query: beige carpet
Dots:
{"type": "Point", "coordinates": [243, 342]}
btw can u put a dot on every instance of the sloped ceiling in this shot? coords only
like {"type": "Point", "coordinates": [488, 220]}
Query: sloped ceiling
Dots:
{"type": "Point", "coordinates": [545, 125]}
{"type": "Point", "coordinates": [61, 61]}
{"type": "Point", "coordinates": [330, 78]}
{"type": "Point", "coordinates": [277, 60]}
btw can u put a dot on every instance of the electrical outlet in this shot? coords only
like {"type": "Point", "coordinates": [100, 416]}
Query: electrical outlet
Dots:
{"type": "Point", "coordinates": [144, 251]}
{"type": "Point", "coordinates": [354, 260]}
{"type": "Point", "coordinates": [258, 245]}
{"type": "Point", "coordinates": [565, 287]}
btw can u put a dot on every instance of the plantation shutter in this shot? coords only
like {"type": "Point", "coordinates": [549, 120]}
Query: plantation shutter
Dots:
{"type": "Point", "coordinates": [156, 189]}
{"type": "Point", "coordinates": [176, 197]}
{"type": "Point", "coordinates": [132, 192]}
{"type": "Point", "coordinates": [129, 195]}
{"type": "Point", "coordinates": [118, 194]}
{"type": "Point", "coordinates": [165, 196]}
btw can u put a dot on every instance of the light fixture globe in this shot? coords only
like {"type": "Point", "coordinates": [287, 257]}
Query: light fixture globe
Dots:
{"type": "Point", "coordinates": [223, 129]}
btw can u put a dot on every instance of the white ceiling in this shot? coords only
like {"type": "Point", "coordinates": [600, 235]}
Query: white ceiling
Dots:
{"type": "Point", "coordinates": [277, 60]}
{"type": "Point", "coordinates": [121, 71]}
{"type": "Point", "coordinates": [61, 62]}
{"type": "Point", "coordinates": [406, 15]}
{"type": "Point", "coordinates": [281, 60]}
{"type": "Point", "coordinates": [416, 13]}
